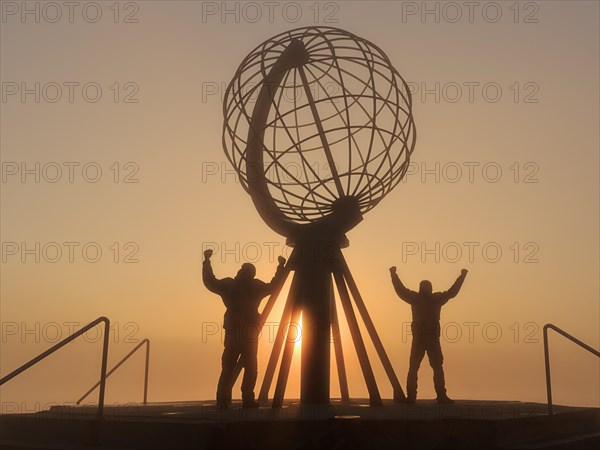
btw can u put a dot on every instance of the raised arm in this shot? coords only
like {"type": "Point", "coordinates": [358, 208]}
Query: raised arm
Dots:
{"type": "Point", "coordinates": [455, 289]}
{"type": "Point", "coordinates": [403, 292]}
{"type": "Point", "coordinates": [268, 288]}
{"type": "Point", "coordinates": [208, 277]}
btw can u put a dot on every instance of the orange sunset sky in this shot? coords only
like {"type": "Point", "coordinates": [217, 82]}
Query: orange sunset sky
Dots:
{"type": "Point", "coordinates": [507, 114]}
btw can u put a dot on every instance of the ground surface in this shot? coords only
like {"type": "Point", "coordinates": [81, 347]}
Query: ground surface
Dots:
{"type": "Point", "coordinates": [467, 424]}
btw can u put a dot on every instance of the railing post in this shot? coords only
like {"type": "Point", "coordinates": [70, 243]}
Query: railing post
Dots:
{"type": "Point", "coordinates": [119, 364]}
{"type": "Point", "coordinates": [547, 356]}
{"type": "Point", "coordinates": [146, 371]}
{"type": "Point", "coordinates": [547, 364]}
{"type": "Point", "coordinates": [58, 346]}
{"type": "Point", "coordinates": [103, 368]}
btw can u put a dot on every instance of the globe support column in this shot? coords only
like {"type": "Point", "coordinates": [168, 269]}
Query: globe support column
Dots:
{"type": "Point", "coordinates": [316, 303]}
{"type": "Point", "coordinates": [316, 323]}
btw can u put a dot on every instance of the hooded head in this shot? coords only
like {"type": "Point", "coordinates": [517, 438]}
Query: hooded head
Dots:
{"type": "Point", "coordinates": [246, 272]}
{"type": "Point", "coordinates": [425, 287]}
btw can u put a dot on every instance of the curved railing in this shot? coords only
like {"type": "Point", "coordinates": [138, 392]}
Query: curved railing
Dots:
{"type": "Point", "coordinates": [547, 356]}
{"type": "Point", "coordinates": [65, 341]}
{"type": "Point", "coordinates": [119, 364]}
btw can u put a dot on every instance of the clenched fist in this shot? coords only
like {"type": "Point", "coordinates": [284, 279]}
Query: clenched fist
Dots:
{"type": "Point", "coordinates": [207, 254]}
{"type": "Point", "coordinates": [393, 270]}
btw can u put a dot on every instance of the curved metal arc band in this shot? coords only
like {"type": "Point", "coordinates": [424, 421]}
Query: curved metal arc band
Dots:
{"type": "Point", "coordinates": [257, 184]}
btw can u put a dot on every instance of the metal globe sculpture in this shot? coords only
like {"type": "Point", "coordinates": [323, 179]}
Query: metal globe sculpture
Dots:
{"type": "Point", "coordinates": [318, 124]}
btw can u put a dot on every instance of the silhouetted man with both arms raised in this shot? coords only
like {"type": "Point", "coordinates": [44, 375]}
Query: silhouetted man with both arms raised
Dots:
{"type": "Point", "coordinates": [426, 306]}
{"type": "Point", "coordinates": [242, 296]}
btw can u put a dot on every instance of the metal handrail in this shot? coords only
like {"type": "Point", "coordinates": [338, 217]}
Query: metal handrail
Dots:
{"type": "Point", "coordinates": [120, 363]}
{"type": "Point", "coordinates": [547, 356]}
{"type": "Point", "coordinates": [64, 342]}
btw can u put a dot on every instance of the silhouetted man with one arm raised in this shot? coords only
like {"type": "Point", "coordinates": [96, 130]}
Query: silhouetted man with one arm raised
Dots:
{"type": "Point", "coordinates": [426, 306]}
{"type": "Point", "coordinates": [242, 296]}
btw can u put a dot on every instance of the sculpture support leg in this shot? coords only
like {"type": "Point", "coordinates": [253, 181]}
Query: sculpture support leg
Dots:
{"type": "Point", "coordinates": [311, 294]}
{"type": "Point", "coordinates": [362, 309]}
{"type": "Point", "coordinates": [374, 396]}
{"type": "Point", "coordinates": [279, 338]}
{"type": "Point", "coordinates": [339, 355]}
{"type": "Point", "coordinates": [273, 298]}
{"type": "Point", "coordinates": [286, 360]}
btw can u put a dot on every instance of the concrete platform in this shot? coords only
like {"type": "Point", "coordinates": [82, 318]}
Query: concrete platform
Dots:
{"type": "Point", "coordinates": [467, 424]}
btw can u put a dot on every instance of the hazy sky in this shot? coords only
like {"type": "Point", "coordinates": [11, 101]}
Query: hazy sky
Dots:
{"type": "Point", "coordinates": [111, 141]}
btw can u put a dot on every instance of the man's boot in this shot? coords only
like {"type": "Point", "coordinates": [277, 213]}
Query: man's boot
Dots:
{"type": "Point", "coordinates": [439, 383]}
{"type": "Point", "coordinates": [222, 403]}
{"type": "Point", "coordinates": [248, 398]}
{"type": "Point", "coordinates": [248, 383]}
{"type": "Point", "coordinates": [249, 402]}
{"type": "Point", "coordinates": [223, 394]}
{"type": "Point", "coordinates": [442, 397]}
{"type": "Point", "coordinates": [411, 387]}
